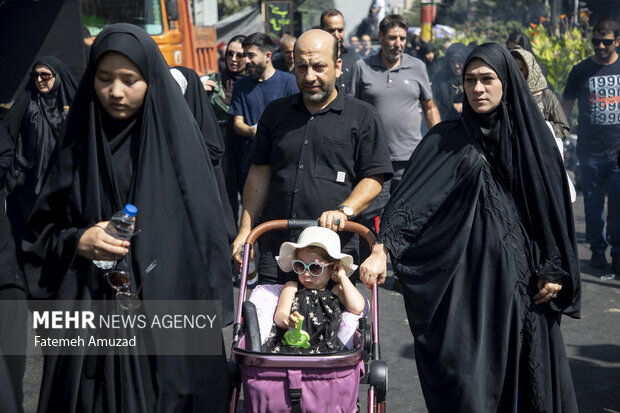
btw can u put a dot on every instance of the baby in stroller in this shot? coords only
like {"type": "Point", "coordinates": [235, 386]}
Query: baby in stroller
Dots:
{"type": "Point", "coordinates": [319, 296]}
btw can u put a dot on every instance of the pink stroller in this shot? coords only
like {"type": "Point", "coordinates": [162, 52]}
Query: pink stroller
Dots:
{"type": "Point", "coordinates": [304, 383]}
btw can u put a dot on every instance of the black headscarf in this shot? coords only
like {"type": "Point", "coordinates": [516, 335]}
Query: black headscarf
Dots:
{"type": "Point", "coordinates": [525, 158]}
{"type": "Point", "coordinates": [521, 39]}
{"type": "Point", "coordinates": [34, 122]}
{"type": "Point", "coordinates": [432, 67]}
{"type": "Point", "coordinates": [447, 85]}
{"type": "Point", "coordinates": [158, 161]}
{"type": "Point", "coordinates": [198, 101]}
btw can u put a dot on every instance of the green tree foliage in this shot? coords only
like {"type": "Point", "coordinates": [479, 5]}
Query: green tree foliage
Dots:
{"type": "Point", "coordinates": [311, 11]}
{"type": "Point", "coordinates": [455, 12]}
{"type": "Point", "coordinates": [486, 30]}
{"type": "Point", "coordinates": [227, 7]}
{"type": "Point", "coordinates": [559, 53]}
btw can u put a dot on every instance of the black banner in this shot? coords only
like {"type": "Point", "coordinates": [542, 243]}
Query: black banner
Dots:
{"type": "Point", "coordinates": [278, 18]}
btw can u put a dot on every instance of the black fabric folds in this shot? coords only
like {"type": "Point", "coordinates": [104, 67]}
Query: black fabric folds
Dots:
{"type": "Point", "coordinates": [200, 105]}
{"type": "Point", "coordinates": [484, 211]}
{"type": "Point", "coordinates": [169, 176]}
{"type": "Point", "coordinates": [10, 274]}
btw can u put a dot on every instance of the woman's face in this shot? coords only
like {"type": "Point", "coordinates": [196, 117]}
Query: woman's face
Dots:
{"type": "Point", "coordinates": [43, 78]}
{"type": "Point", "coordinates": [456, 64]}
{"type": "Point", "coordinates": [482, 86]}
{"type": "Point", "coordinates": [119, 85]}
{"type": "Point", "coordinates": [310, 281]}
{"type": "Point", "coordinates": [235, 57]}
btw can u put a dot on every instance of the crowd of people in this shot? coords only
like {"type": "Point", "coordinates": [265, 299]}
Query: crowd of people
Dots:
{"type": "Point", "coordinates": [454, 164]}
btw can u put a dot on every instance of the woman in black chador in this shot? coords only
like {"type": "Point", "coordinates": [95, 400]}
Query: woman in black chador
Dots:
{"type": "Point", "coordinates": [198, 101]}
{"type": "Point", "coordinates": [131, 138]}
{"type": "Point", "coordinates": [482, 240]}
{"type": "Point", "coordinates": [34, 123]}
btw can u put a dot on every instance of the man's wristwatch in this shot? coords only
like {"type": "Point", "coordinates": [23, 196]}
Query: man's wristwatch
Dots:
{"type": "Point", "coordinates": [347, 210]}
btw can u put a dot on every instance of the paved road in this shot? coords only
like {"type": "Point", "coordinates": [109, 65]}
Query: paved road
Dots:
{"type": "Point", "coordinates": [592, 344]}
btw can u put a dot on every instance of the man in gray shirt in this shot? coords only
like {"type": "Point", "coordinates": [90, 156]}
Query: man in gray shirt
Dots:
{"type": "Point", "coordinates": [396, 84]}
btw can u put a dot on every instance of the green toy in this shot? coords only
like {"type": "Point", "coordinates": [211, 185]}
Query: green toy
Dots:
{"type": "Point", "coordinates": [297, 337]}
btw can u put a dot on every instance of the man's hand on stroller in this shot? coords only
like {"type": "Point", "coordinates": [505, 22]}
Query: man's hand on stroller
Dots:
{"type": "Point", "coordinates": [333, 220]}
{"type": "Point", "coordinates": [375, 266]}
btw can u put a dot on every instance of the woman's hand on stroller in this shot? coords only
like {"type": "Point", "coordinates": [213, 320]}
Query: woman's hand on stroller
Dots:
{"type": "Point", "coordinates": [237, 249]}
{"type": "Point", "coordinates": [375, 266]}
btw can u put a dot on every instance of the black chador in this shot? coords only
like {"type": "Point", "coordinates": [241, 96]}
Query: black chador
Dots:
{"type": "Point", "coordinates": [158, 161]}
{"type": "Point", "coordinates": [483, 212]}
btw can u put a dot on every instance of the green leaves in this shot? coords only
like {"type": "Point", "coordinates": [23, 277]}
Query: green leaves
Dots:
{"type": "Point", "coordinates": [559, 53]}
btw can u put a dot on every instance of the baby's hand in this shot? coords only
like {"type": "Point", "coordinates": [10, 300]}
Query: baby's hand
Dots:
{"type": "Point", "coordinates": [281, 320]}
{"type": "Point", "coordinates": [338, 274]}
{"type": "Point", "coordinates": [294, 318]}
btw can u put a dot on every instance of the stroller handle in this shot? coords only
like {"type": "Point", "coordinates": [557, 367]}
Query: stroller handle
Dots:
{"type": "Point", "coordinates": [284, 224]}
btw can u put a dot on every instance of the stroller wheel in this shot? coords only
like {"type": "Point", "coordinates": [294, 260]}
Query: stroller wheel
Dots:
{"type": "Point", "coordinates": [378, 378]}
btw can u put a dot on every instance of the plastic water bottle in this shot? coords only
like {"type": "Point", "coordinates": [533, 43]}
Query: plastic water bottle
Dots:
{"type": "Point", "coordinates": [122, 226]}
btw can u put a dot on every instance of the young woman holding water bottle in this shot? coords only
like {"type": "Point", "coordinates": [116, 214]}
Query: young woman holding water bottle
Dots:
{"type": "Point", "coordinates": [131, 138]}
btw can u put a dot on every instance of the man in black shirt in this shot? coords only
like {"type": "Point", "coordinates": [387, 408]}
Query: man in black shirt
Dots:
{"type": "Point", "coordinates": [319, 154]}
{"type": "Point", "coordinates": [332, 22]}
{"type": "Point", "coordinates": [595, 83]}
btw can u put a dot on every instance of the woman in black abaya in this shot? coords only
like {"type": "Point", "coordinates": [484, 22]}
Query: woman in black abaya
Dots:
{"type": "Point", "coordinates": [198, 102]}
{"type": "Point", "coordinates": [130, 138]}
{"type": "Point", "coordinates": [34, 123]}
{"type": "Point", "coordinates": [483, 243]}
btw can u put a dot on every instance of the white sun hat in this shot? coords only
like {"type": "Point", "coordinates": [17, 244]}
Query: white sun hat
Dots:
{"type": "Point", "coordinates": [315, 236]}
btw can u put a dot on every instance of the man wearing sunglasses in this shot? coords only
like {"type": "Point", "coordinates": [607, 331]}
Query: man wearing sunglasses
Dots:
{"type": "Point", "coordinates": [595, 83]}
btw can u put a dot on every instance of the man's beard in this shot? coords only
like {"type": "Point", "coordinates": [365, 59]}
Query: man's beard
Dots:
{"type": "Point", "coordinates": [321, 95]}
{"type": "Point", "coordinates": [257, 71]}
{"type": "Point", "coordinates": [604, 55]}
{"type": "Point", "coordinates": [394, 55]}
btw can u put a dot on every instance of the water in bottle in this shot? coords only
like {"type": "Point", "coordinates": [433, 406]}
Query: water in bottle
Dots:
{"type": "Point", "coordinates": [122, 226]}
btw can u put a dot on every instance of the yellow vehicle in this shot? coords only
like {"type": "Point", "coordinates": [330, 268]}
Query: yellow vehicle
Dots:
{"type": "Point", "coordinates": [184, 30]}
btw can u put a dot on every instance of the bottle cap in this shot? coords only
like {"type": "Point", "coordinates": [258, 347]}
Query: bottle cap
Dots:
{"type": "Point", "coordinates": [130, 210]}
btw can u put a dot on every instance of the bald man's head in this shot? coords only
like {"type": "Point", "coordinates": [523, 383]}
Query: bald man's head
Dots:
{"type": "Point", "coordinates": [316, 67]}
{"type": "Point", "coordinates": [317, 40]}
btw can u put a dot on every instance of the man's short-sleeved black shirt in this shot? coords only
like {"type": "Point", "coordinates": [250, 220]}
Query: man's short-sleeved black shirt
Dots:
{"type": "Point", "coordinates": [317, 159]}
